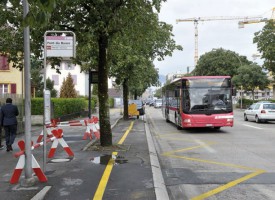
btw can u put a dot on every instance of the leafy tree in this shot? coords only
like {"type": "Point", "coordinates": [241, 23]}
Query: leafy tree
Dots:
{"type": "Point", "coordinates": [95, 89]}
{"type": "Point", "coordinates": [50, 86]}
{"type": "Point", "coordinates": [265, 40]}
{"type": "Point", "coordinates": [95, 23]}
{"type": "Point", "coordinates": [67, 89]}
{"type": "Point", "coordinates": [219, 62]}
{"type": "Point", "coordinates": [250, 77]}
{"type": "Point", "coordinates": [133, 51]}
{"type": "Point", "coordinates": [158, 93]}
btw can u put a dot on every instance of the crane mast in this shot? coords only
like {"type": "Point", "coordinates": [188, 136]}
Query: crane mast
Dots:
{"type": "Point", "coordinates": [202, 19]}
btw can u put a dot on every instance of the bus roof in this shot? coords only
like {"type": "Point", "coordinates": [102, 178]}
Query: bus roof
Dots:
{"type": "Point", "coordinates": [198, 77]}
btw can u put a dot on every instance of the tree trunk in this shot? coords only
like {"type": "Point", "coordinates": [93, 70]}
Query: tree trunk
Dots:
{"type": "Point", "coordinates": [125, 99]}
{"type": "Point", "coordinates": [135, 95]}
{"type": "Point", "coordinates": [104, 112]}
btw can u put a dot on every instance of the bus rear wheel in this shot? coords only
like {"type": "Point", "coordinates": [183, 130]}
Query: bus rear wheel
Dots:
{"type": "Point", "coordinates": [217, 127]}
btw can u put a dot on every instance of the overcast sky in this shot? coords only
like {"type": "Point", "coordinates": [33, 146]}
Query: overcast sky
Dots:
{"type": "Point", "coordinates": [212, 34]}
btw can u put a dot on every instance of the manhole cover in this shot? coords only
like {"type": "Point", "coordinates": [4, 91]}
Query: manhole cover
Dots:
{"type": "Point", "coordinates": [60, 160]}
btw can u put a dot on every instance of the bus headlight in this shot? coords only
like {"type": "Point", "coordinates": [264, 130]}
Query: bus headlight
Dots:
{"type": "Point", "coordinates": [186, 121]}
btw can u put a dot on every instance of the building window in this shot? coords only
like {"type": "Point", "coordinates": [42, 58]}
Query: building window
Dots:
{"type": "Point", "coordinates": [75, 79]}
{"type": "Point", "coordinates": [55, 79]}
{"type": "Point", "coordinates": [4, 88]}
{"type": "Point", "coordinates": [4, 63]}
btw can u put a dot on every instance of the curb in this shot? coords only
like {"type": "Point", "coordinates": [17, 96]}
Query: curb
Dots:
{"type": "Point", "coordinates": [159, 184]}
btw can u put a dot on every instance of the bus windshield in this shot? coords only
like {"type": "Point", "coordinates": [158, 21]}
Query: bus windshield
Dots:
{"type": "Point", "coordinates": [207, 96]}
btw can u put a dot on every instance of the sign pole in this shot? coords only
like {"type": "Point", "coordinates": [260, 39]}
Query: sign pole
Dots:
{"type": "Point", "coordinates": [54, 46]}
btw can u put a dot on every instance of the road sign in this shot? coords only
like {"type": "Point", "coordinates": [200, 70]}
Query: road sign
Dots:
{"type": "Point", "coordinates": [60, 46]}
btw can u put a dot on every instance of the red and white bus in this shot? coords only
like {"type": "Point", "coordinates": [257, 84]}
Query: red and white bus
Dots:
{"type": "Point", "coordinates": [198, 101]}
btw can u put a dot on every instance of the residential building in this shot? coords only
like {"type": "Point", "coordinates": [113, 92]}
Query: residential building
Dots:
{"type": "Point", "coordinates": [11, 79]}
{"type": "Point", "coordinates": [81, 79]}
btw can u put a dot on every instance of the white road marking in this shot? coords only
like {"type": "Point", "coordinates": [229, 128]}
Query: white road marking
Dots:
{"type": "Point", "coordinates": [208, 148]}
{"type": "Point", "coordinates": [252, 126]}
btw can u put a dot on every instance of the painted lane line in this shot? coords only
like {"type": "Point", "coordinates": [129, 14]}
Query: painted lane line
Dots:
{"type": "Point", "coordinates": [252, 126]}
{"type": "Point", "coordinates": [107, 172]}
{"type": "Point", "coordinates": [104, 179]}
{"type": "Point", "coordinates": [228, 185]}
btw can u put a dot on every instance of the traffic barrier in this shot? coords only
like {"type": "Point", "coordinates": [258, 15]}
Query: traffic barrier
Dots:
{"type": "Point", "coordinates": [58, 135]}
{"type": "Point", "coordinates": [92, 127]}
{"type": "Point", "coordinates": [21, 164]}
{"type": "Point", "coordinates": [88, 132]}
{"type": "Point", "coordinates": [49, 128]}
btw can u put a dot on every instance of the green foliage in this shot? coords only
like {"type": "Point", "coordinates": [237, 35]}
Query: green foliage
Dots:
{"type": "Point", "coordinates": [219, 62]}
{"type": "Point", "coordinates": [250, 77]}
{"type": "Point", "coordinates": [111, 102]}
{"type": "Point", "coordinates": [158, 93]}
{"type": "Point", "coordinates": [95, 89]}
{"type": "Point", "coordinates": [96, 24]}
{"type": "Point", "coordinates": [67, 89]}
{"type": "Point", "coordinates": [61, 106]}
{"type": "Point", "coordinates": [37, 106]}
{"type": "Point", "coordinates": [50, 86]}
{"type": "Point", "coordinates": [265, 40]}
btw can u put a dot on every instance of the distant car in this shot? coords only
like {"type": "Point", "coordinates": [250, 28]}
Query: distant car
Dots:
{"type": "Point", "coordinates": [140, 106]}
{"type": "Point", "coordinates": [158, 103]}
{"type": "Point", "coordinates": [152, 102]}
{"type": "Point", "coordinates": [260, 112]}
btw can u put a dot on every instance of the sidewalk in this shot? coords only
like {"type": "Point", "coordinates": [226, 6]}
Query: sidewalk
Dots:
{"type": "Point", "coordinates": [79, 178]}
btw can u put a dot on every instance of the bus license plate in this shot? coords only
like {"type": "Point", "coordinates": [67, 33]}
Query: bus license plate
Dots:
{"type": "Point", "coordinates": [208, 125]}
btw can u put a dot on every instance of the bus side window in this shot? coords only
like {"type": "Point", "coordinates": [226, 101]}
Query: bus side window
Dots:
{"type": "Point", "coordinates": [176, 93]}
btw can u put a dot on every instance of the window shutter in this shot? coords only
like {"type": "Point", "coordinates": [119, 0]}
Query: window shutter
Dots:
{"type": "Point", "coordinates": [4, 63]}
{"type": "Point", "coordinates": [13, 88]}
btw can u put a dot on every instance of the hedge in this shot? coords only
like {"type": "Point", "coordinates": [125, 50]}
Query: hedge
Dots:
{"type": "Point", "coordinates": [65, 106]}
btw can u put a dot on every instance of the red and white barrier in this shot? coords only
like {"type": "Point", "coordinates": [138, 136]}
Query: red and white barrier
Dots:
{"type": "Point", "coordinates": [49, 133]}
{"type": "Point", "coordinates": [92, 127]}
{"type": "Point", "coordinates": [21, 164]}
{"type": "Point", "coordinates": [58, 135]}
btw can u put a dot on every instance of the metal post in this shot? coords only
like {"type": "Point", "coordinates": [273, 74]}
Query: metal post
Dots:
{"type": "Point", "coordinates": [44, 118]}
{"type": "Point", "coordinates": [89, 103]}
{"type": "Point", "coordinates": [28, 169]}
{"type": "Point", "coordinates": [241, 97]}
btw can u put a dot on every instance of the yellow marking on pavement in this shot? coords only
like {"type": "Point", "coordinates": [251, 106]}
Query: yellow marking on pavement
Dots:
{"type": "Point", "coordinates": [126, 133]}
{"type": "Point", "coordinates": [186, 149]}
{"type": "Point", "coordinates": [215, 163]}
{"type": "Point", "coordinates": [107, 172]}
{"type": "Point", "coordinates": [228, 185]}
{"type": "Point", "coordinates": [255, 172]}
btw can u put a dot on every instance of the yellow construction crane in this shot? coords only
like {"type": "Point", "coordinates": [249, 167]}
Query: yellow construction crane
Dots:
{"type": "Point", "coordinates": [196, 20]}
{"type": "Point", "coordinates": [253, 21]}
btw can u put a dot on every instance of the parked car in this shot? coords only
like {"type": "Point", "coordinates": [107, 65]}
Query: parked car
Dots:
{"type": "Point", "coordinates": [260, 112]}
{"type": "Point", "coordinates": [140, 106]}
{"type": "Point", "coordinates": [158, 103]}
{"type": "Point", "coordinates": [152, 102]}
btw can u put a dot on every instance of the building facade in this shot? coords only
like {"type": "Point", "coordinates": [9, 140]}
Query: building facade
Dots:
{"type": "Point", "coordinates": [11, 79]}
{"type": "Point", "coordinates": [81, 79]}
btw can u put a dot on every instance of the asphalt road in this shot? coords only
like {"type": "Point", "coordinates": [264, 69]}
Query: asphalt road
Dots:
{"type": "Point", "coordinates": [230, 163]}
